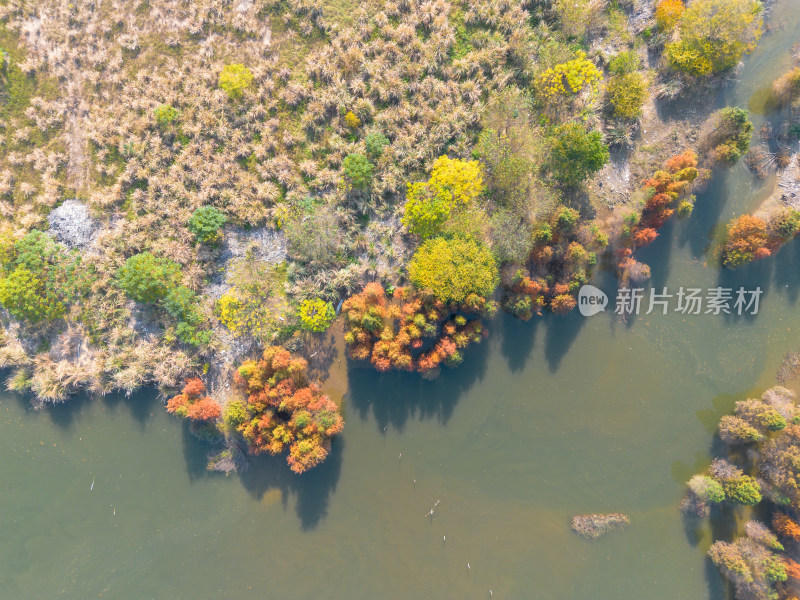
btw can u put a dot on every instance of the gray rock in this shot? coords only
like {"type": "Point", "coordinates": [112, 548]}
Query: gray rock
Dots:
{"type": "Point", "coordinates": [72, 225]}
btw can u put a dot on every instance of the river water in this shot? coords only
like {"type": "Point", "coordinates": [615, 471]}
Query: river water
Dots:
{"type": "Point", "coordinates": [110, 498]}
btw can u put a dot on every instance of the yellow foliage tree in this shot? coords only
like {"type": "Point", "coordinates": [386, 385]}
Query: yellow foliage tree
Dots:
{"type": "Point", "coordinates": [668, 13]}
{"type": "Point", "coordinates": [569, 78]}
{"type": "Point", "coordinates": [714, 35]}
{"type": "Point", "coordinates": [453, 183]}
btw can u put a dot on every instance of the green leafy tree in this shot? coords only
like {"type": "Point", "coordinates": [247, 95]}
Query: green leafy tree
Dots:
{"type": "Point", "coordinates": [453, 269]}
{"type": "Point", "coordinates": [165, 115]}
{"type": "Point", "coordinates": [576, 154]}
{"type": "Point", "coordinates": [234, 79]}
{"type": "Point", "coordinates": [316, 315]}
{"type": "Point", "coordinates": [357, 170]}
{"type": "Point", "coordinates": [714, 35]}
{"type": "Point", "coordinates": [743, 490]}
{"type": "Point", "coordinates": [375, 142]}
{"type": "Point", "coordinates": [206, 223]}
{"type": "Point", "coordinates": [146, 278]}
{"type": "Point", "coordinates": [26, 296]}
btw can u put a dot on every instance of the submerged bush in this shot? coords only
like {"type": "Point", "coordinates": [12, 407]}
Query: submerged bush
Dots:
{"type": "Point", "coordinates": [730, 138]}
{"type": "Point", "coordinates": [747, 240]}
{"type": "Point", "coordinates": [285, 411]}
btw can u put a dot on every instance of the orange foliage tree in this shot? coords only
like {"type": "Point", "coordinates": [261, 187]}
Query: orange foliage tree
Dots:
{"type": "Point", "coordinates": [561, 261]}
{"type": "Point", "coordinates": [668, 12]}
{"type": "Point", "coordinates": [785, 526]}
{"type": "Point", "coordinates": [792, 568]}
{"type": "Point", "coordinates": [285, 410]}
{"type": "Point", "coordinates": [662, 192]}
{"type": "Point", "coordinates": [193, 404]}
{"type": "Point", "coordinates": [413, 332]}
{"type": "Point", "coordinates": [747, 241]}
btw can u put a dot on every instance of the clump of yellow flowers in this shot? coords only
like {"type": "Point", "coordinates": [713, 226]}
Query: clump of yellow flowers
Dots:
{"type": "Point", "coordinates": [316, 315]}
{"type": "Point", "coordinates": [569, 78]}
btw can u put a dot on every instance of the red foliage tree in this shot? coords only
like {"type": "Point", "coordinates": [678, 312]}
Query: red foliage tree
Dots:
{"type": "Point", "coordinates": [192, 404]}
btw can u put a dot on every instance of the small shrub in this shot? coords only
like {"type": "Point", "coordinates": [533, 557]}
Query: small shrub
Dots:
{"type": "Point", "coordinates": [375, 142]}
{"type": "Point", "coordinates": [234, 79]}
{"type": "Point", "coordinates": [357, 170]}
{"type": "Point", "coordinates": [26, 296]}
{"type": "Point", "coordinates": [206, 223]}
{"type": "Point", "coordinates": [625, 62]}
{"type": "Point", "coordinates": [351, 120]}
{"type": "Point", "coordinates": [567, 218]}
{"type": "Point", "coordinates": [627, 93]}
{"type": "Point", "coordinates": [165, 115]}
{"type": "Point", "coordinates": [569, 78]}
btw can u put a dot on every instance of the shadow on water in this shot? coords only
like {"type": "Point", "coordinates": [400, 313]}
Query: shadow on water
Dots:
{"type": "Point", "coordinates": [518, 340]}
{"type": "Point", "coordinates": [658, 255]}
{"type": "Point", "coordinates": [64, 414]}
{"type": "Point", "coordinates": [312, 489]}
{"type": "Point", "coordinates": [322, 353]}
{"type": "Point", "coordinates": [395, 397]}
{"type": "Point", "coordinates": [140, 404]}
{"type": "Point", "coordinates": [706, 215]}
{"type": "Point", "coordinates": [562, 331]}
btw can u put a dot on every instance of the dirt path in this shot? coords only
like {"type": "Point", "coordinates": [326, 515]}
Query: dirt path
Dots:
{"type": "Point", "coordinates": [78, 167]}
